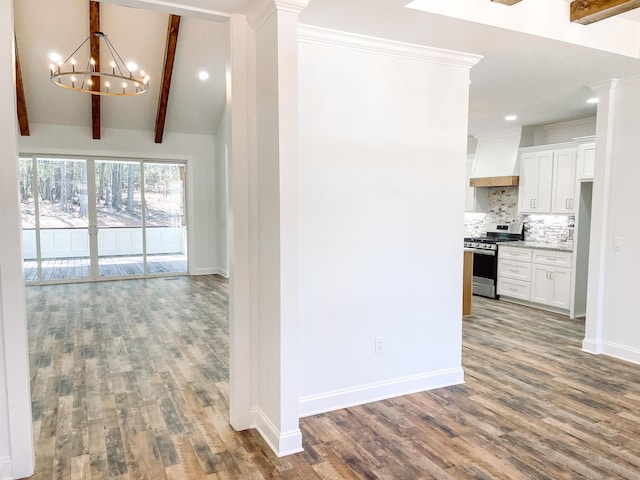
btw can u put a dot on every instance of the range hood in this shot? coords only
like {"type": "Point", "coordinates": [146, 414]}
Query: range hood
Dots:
{"type": "Point", "coordinates": [496, 159]}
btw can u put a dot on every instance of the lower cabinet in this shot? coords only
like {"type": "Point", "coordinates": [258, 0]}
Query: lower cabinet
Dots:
{"type": "Point", "coordinates": [551, 286]}
{"type": "Point", "coordinates": [535, 275]}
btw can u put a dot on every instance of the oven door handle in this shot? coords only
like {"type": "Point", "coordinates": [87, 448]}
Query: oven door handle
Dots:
{"type": "Point", "coordinates": [491, 253]}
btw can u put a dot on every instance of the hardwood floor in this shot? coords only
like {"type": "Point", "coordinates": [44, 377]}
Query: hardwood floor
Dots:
{"type": "Point", "coordinates": [129, 381]}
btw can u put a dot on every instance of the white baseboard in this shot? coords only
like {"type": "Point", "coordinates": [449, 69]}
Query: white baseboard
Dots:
{"type": "Point", "coordinates": [622, 352]}
{"type": "Point", "coordinates": [6, 470]}
{"type": "Point", "coordinates": [612, 349]}
{"type": "Point", "coordinates": [282, 443]}
{"type": "Point", "coordinates": [373, 392]}
{"type": "Point", "coordinates": [591, 346]}
{"type": "Point", "coordinates": [209, 271]}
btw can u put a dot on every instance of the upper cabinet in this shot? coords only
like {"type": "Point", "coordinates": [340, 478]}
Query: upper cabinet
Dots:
{"type": "Point", "coordinates": [536, 170]}
{"type": "Point", "coordinates": [586, 159]}
{"type": "Point", "coordinates": [564, 182]}
{"type": "Point", "coordinates": [547, 180]}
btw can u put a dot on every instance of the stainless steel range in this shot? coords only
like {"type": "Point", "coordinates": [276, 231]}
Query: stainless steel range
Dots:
{"type": "Point", "coordinates": [485, 255]}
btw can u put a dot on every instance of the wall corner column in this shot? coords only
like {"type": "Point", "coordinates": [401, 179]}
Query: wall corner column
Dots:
{"type": "Point", "coordinates": [16, 442]}
{"type": "Point", "coordinates": [277, 369]}
{"type": "Point", "coordinates": [598, 241]}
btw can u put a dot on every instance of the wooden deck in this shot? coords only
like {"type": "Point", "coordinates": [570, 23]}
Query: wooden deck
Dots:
{"type": "Point", "coordinates": [56, 269]}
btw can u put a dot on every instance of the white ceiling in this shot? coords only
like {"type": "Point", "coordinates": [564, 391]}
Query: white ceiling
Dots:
{"type": "Point", "coordinates": [541, 80]}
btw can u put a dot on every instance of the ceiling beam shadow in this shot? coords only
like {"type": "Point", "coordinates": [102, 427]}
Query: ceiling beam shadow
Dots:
{"type": "Point", "coordinates": [167, 71]}
{"type": "Point", "coordinates": [21, 102]}
{"type": "Point", "coordinates": [585, 12]}
{"type": "Point", "coordinates": [94, 43]}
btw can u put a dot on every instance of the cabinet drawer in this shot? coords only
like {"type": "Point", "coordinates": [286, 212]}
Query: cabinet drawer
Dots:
{"type": "Point", "coordinates": [514, 253]}
{"type": "Point", "coordinates": [514, 270]}
{"type": "Point", "coordinates": [514, 289]}
{"type": "Point", "coordinates": [551, 258]}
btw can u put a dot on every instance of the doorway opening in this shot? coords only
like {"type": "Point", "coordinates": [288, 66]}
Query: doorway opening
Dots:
{"type": "Point", "coordinates": [87, 219]}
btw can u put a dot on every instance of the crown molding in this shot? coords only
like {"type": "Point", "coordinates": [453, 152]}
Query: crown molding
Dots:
{"type": "Point", "coordinates": [263, 10]}
{"type": "Point", "coordinates": [380, 46]}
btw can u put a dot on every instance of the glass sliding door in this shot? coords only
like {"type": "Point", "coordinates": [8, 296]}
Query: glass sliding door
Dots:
{"type": "Point", "coordinates": [28, 213]}
{"type": "Point", "coordinates": [82, 219]}
{"type": "Point", "coordinates": [118, 204]}
{"type": "Point", "coordinates": [165, 221]}
{"type": "Point", "coordinates": [55, 219]}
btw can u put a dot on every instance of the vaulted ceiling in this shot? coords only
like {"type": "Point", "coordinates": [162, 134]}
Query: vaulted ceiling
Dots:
{"type": "Point", "coordinates": [542, 80]}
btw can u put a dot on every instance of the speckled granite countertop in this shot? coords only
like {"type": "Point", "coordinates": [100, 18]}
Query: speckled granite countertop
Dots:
{"type": "Point", "coordinates": [558, 247]}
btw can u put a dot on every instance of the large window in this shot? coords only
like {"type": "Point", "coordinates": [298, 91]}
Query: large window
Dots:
{"type": "Point", "coordinates": [83, 218]}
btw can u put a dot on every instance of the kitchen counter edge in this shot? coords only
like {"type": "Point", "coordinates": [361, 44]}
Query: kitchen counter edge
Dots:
{"type": "Point", "coordinates": [538, 246]}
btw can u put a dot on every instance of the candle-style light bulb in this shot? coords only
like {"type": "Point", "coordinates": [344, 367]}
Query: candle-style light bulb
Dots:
{"type": "Point", "coordinates": [89, 82]}
{"type": "Point", "coordinates": [107, 85]}
{"type": "Point", "coordinates": [124, 86]}
{"type": "Point", "coordinates": [113, 67]}
{"type": "Point", "coordinates": [73, 81]}
{"type": "Point", "coordinates": [73, 64]}
{"type": "Point", "coordinates": [52, 67]}
{"type": "Point", "coordinates": [93, 64]}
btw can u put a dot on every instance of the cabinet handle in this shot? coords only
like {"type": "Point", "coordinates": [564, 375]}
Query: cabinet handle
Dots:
{"type": "Point", "coordinates": [547, 275]}
{"type": "Point", "coordinates": [535, 203]}
{"type": "Point", "coordinates": [513, 289]}
{"type": "Point", "coordinates": [531, 203]}
{"type": "Point", "coordinates": [551, 259]}
{"type": "Point", "coordinates": [513, 270]}
{"type": "Point", "coordinates": [550, 275]}
{"type": "Point", "coordinates": [566, 204]}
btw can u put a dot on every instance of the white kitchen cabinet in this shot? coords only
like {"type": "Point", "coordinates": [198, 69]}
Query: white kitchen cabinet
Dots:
{"type": "Point", "coordinates": [535, 276]}
{"type": "Point", "coordinates": [514, 272]}
{"type": "Point", "coordinates": [536, 172]}
{"type": "Point", "coordinates": [586, 160]}
{"type": "Point", "coordinates": [551, 286]}
{"type": "Point", "coordinates": [564, 182]}
{"type": "Point", "coordinates": [548, 179]}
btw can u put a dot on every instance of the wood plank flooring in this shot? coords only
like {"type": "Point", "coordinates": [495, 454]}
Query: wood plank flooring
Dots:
{"type": "Point", "coordinates": [129, 381]}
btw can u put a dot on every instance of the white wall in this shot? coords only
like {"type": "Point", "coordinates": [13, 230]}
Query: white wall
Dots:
{"type": "Point", "coordinates": [197, 150]}
{"type": "Point", "coordinates": [563, 132]}
{"type": "Point", "coordinates": [16, 446]}
{"type": "Point", "coordinates": [383, 139]}
{"type": "Point", "coordinates": [613, 302]}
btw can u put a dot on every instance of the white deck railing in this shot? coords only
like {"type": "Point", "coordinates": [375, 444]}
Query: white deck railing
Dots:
{"type": "Point", "coordinates": [74, 242]}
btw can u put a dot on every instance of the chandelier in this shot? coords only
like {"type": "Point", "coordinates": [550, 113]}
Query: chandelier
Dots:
{"type": "Point", "coordinates": [118, 79]}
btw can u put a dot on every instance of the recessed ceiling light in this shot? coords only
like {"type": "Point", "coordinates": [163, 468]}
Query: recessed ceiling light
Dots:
{"type": "Point", "coordinates": [510, 118]}
{"type": "Point", "coordinates": [55, 57]}
{"type": "Point", "coordinates": [592, 100]}
{"type": "Point", "coordinates": [203, 75]}
{"type": "Point", "coordinates": [132, 66]}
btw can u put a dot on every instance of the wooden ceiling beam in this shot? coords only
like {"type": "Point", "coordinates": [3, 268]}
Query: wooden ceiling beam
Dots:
{"type": "Point", "coordinates": [21, 102]}
{"type": "Point", "coordinates": [585, 12]}
{"type": "Point", "coordinates": [167, 71]}
{"type": "Point", "coordinates": [507, 2]}
{"type": "Point", "coordinates": [94, 43]}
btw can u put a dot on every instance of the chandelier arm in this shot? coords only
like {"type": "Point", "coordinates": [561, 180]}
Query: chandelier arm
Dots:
{"type": "Point", "coordinates": [74, 52]}
{"type": "Point", "coordinates": [114, 54]}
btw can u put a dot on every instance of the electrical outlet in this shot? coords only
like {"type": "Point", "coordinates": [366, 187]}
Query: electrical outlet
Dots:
{"type": "Point", "coordinates": [379, 345]}
{"type": "Point", "coordinates": [618, 243]}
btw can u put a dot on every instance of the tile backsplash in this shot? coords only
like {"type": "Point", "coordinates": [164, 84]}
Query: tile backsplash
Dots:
{"type": "Point", "coordinates": [503, 205]}
{"type": "Point", "coordinates": [503, 208]}
{"type": "Point", "coordinates": [549, 228]}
